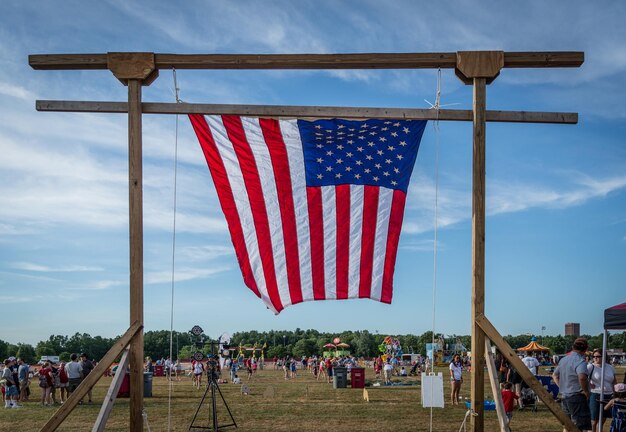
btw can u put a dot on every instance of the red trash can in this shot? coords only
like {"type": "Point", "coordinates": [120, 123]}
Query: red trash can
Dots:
{"type": "Point", "coordinates": [124, 390]}
{"type": "Point", "coordinates": [159, 370]}
{"type": "Point", "coordinates": [357, 377]}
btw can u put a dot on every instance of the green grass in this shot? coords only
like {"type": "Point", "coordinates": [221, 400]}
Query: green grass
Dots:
{"type": "Point", "coordinates": [302, 404]}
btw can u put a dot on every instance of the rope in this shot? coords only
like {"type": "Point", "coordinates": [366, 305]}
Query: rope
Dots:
{"type": "Point", "coordinates": [464, 424]}
{"type": "Point", "coordinates": [144, 414]}
{"type": "Point", "coordinates": [169, 373]}
{"type": "Point", "coordinates": [436, 106]}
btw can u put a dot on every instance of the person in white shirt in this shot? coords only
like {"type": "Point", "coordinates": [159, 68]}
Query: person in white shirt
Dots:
{"type": "Point", "coordinates": [387, 369]}
{"type": "Point", "coordinates": [595, 383]}
{"type": "Point", "coordinates": [531, 363]}
{"type": "Point", "coordinates": [456, 378]}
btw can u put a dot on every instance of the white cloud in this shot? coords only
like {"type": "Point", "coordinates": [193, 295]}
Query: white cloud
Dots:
{"type": "Point", "coordinates": [183, 274]}
{"type": "Point", "coordinates": [42, 268]}
{"type": "Point", "coordinates": [16, 91]}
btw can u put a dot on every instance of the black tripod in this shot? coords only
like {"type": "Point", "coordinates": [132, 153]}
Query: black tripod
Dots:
{"type": "Point", "coordinates": [213, 389]}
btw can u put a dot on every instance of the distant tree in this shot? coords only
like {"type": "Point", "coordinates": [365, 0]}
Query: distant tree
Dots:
{"type": "Point", "coordinates": [305, 347]}
{"type": "Point", "coordinates": [4, 349]}
{"type": "Point", "coordinates": [26, 352]}
{"type": "Point", "coordinates": [364, 344]}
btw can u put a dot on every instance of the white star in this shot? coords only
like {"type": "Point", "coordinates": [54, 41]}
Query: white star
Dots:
{"type": "Point", "coordinates": [359, 149]}
{"type": "Point", "coordinates": [348, 154]}
{"type": "Point", "coordinates": [359, 162]}
{"type": "Point", "coordinates": [373, 133]}
{"type": "Point", "coordinates": [387, 122]}
{"type": "Point", "coordinates": [319, 176]}
{"type": "Point", "coordinates": [371, 144]}
{"type": "Point", "coordinates": [329, 131]}
{"type": "Point", "coordinates": [364, 125]}
{"type": "Point", "coordinates": [319, 145]}
{"type": "Point", "coordinates": [388, 161]}
{"type": "Point", "coordinates": [348, 169]}
{"type": "Point", "coordinates": [351, 129]}
{"type": "Point", "coordinates": [350, 142]}
{"type": "Point", "coordinates": [357, 176]}
{"type": "Point", "coordinates": [319, 134]}
{"type": "Point", "coordinates": [386, 173]}
{"type": "Point", "coordinates": [377, 166]}
{"type": "Point", "coordinates": [394, 134]}
{"type": "Point", "coordinates": [375, 178]}
{"type": "Point", "coordinates": [380, 152]}
{"type": "Point", "coordinates": [393, 182]}
{"type": "Point", "coordinates": [400, 157]}
{"type": "Point", "coordinates": [391, 148]}
{"type": "Point", "coordinates": [340, 147]}
{"type": "Point", "coordinates": [369, 157]}
{"type": "Point", "coordinates": [384, 129]}
{"type": "Point", "coordinates": [350, 135]}
{"type": "Point", "coordinates": [320, 160]}
{"type": "Point", "coordinates": [338, 175]}
{"type": "Point", "coordinates": [403, 143]}
{"type": "Point", "coordinates": [318, 138]}
{"type": "Point", "coordinates": [396, 124]}
{"type": "Point", "coordinates": [361, 137]}
{"type": "Point", "coordinates": [406, 129]}
{"type": "Point", "coordinates": [396, 170]}
{"type": "Point", "coordinates": [341, 133]}
{"type": "Point", "coordinates": [383, 139]}
{"type": "Point", "coordinates": [367, 170]}
{"type": "Point", "coordinates": [340, 127]}
{"type": "Point", "coordinates": [318, 126]}
{"type": "Point", "coordinates": [329, 152]}
{"type": "Point", "coordinates": [329, 168]}
{"type": "Point", "coordinates": [339, 161]}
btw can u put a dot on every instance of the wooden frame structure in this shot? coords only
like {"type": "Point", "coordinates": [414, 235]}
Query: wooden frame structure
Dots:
{"type": "Point", "coordinates": [478, 68]}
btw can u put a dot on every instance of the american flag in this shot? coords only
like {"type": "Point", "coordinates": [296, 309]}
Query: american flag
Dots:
{"type": "Point", "coordinates": [314, 208]}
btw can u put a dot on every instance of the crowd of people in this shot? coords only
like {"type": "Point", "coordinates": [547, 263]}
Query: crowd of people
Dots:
{"type": "Point", "coordinates": [55, 380]}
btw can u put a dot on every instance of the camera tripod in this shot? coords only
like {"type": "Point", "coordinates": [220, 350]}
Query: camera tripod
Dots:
{"type": "Point", "coordinates": [214, 390]}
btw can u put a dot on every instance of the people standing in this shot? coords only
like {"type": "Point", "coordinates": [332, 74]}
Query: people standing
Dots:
{"type": "Point", "coordinates": [87, 367]}
{"type": "Point", "coordinates": [198, 370]}
{"type": "Point", "coordinates": [63, 383]}
{"type": "Point", "coordinates": [571, 375]}
{"type": "Point", "coordinates": [456, 378]}
{"type": "Point", "coordinates": [595, 383]}
{"type": "Point", "coordinates": [387, 371]}
{"type": "Point", "coordinates": [531, 363]}
{"type": "Point", "coordinates": [23, 377]}
{"type": "Point", "coordinates": [11, 394]}
{"type": "Point", "coordinates": [45, 382]}
{"type": "Point", "coordinates": [74, 373]}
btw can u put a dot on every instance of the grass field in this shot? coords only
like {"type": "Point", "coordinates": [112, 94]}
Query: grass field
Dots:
{"type": "Point", "coordinates": [301, 404]}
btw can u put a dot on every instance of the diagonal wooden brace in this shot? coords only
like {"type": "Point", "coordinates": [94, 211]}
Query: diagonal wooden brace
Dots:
{"type": "Point", "coordinates": [91, 379]}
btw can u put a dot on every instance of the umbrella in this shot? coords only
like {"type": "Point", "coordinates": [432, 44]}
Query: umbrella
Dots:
{"type": "Point", "coordinates": [329, 345]}
{"type": "Point", "coordinates": [343, 345]}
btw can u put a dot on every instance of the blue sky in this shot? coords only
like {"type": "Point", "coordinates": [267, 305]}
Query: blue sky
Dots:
{"type": "Point", "coordinates": [556, 194]}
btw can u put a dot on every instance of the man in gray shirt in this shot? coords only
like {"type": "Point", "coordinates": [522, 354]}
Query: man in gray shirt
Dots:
{"type": "Point", "coordinates": [571, 377]}
{"type": "Point", "coordinates": [74, 372]}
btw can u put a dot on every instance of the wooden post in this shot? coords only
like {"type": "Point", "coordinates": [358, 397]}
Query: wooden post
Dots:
{"type": "Point", "coordinates": [478, 256]}
{"type": "Point", "coordinates": [136, 252]}
{"type": "Point", "coordinates": [503, 421]}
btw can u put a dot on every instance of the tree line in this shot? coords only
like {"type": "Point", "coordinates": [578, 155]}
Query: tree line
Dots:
{"type": "Point", "coordinates": [279, 343]}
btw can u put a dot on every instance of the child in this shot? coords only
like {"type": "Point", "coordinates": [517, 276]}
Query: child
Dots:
{"type": "Point", "coordinates": [508, 399]}
{"type": "Point", "coordinates": [617, 407]}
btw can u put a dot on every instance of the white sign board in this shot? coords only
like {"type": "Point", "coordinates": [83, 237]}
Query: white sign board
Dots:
{"type": "Point", "coordinates": [432, 390]}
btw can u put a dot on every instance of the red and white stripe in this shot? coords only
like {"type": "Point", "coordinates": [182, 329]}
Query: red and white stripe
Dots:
{"type": "Point", "coordinates": [296, 243]}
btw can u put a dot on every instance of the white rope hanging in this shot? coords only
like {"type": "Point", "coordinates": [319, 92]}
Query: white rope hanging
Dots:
{"type": "Point", "coordinates": [170, 382]}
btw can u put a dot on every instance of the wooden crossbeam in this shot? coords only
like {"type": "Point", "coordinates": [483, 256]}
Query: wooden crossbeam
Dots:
{"type": "Point", "coordinates": [527, 376]}
{"type": "Point", "coordinates": [109, 399]}
{"type": "Point", "coordinates": [87, 384]}
{"type": "Point", "coordinates": [446, 60]}
{"type": "Point", "coordinates": [293, 111]}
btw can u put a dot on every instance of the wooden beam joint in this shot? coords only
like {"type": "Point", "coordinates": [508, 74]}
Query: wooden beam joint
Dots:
{"type": "Point", "coordinates": [478, 64]}
{"type": "Point", "coordinates": [137, 65]}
